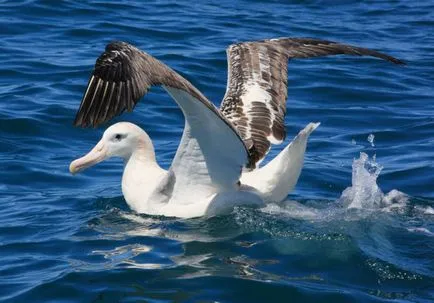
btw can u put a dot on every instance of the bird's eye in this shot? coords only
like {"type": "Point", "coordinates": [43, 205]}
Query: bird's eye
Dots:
{"type": "Point", "coordinates": [118, 137]}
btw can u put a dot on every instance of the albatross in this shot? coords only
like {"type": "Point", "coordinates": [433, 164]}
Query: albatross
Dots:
{"type": "Point", "coordinates": [216, 165]}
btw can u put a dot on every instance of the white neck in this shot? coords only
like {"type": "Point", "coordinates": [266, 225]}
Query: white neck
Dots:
{"type": "Point", "coordinates": [141, 176]}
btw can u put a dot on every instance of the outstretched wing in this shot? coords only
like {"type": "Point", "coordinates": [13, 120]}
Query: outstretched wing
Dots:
{"type": "Point", "coordinates": [255, 99]}
{"type": "Point", "coordinates": [123, 74]}
{"type": "Point", "coordinates": [211, 153]}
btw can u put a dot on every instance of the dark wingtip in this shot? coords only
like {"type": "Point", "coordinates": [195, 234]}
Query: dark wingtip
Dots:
{"type": "Point", "coordinates": [77, 122]}
{"type": "Point", "coordinates": [85, 124]}
{"type": "Point", "coordinates": [80, 124]}
{"type": "Point", "coordinates": [395, 60]}
{"type": "Point", "coordinates": [399, 62]}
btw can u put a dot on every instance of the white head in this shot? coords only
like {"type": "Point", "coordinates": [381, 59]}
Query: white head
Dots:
{"type": "Point", "coordinates": [122, 139]}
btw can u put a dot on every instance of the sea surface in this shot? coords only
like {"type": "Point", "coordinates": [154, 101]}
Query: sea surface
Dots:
{"type": "Point", "coordinates": [359, 226]}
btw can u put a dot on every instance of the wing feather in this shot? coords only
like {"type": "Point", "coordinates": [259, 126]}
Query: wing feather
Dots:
{"type": "Point", "coordinates": [255, 99]}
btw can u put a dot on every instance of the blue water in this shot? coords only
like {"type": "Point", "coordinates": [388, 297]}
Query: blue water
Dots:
{"type": "Point", "coordinates": [342, 236]}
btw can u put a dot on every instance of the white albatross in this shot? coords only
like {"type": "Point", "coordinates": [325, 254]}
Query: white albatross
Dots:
{"type": "Point", "coordinates": [216, 165]}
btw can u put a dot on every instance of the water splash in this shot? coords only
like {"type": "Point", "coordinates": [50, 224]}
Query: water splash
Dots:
{"type": "Point", "coordinates": [364, 192]}
{"type": "Point", "coordinates": [370, 139]}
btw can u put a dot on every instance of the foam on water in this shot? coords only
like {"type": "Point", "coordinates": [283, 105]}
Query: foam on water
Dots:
{"type": "Point", "coordinates": [422, 230]}
{"type": "Point", "coordinates": [429, 210]}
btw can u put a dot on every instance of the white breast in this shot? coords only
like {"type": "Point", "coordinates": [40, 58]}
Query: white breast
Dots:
{"type": "Point", "coordinates": [139, 181]}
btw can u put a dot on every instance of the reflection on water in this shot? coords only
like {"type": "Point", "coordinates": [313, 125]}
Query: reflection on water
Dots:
{"type": "Point", "coordinates": [123, 252]}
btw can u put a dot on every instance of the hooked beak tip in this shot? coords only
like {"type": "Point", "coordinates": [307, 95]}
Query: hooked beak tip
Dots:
{"type": "Point", "coordinates": [72, 169]}
{"type": "Point", "coordinates": [96, 155]}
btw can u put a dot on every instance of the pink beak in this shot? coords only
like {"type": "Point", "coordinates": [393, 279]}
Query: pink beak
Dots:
{"type": "Point", "coordinates": [96, 155]}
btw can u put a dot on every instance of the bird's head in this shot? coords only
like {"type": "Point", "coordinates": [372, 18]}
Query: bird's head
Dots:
{"type": "Point", "coordinates": [119, 140]}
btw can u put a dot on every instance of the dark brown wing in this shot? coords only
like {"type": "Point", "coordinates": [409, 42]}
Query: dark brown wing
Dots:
{"type": "Point", "coordinates": [255, 99]}
{"type": "Point", "coordinates": [122, 75]}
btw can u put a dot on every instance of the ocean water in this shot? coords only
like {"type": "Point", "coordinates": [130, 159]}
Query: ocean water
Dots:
{"type": "Point", "coordinates": [359, 227]}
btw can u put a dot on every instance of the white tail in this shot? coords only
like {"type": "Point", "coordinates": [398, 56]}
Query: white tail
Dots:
{"type": "Point", "coordinates": [278, 178]}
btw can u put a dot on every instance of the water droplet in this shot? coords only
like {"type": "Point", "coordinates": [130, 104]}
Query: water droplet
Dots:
{"type": "Point", "coordinates": [370, 139]}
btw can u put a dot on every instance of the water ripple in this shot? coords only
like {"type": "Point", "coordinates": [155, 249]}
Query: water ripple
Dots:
{"type": "Point", "coordinates": [73, 238]}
